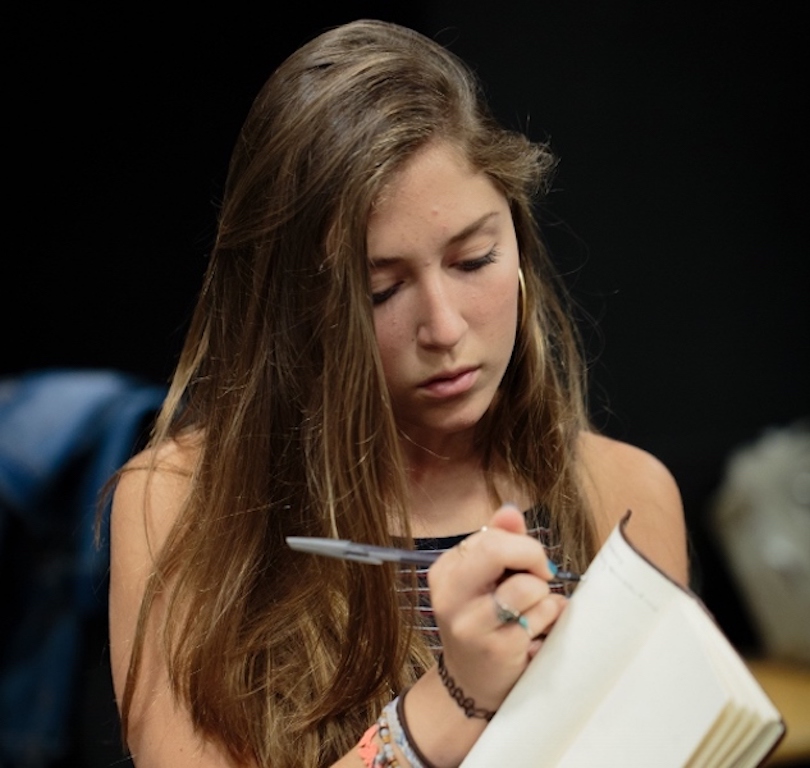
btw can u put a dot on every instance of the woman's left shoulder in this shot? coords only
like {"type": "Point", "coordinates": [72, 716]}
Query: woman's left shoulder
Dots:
{"type": "Point", "coordinates": [618, 477]}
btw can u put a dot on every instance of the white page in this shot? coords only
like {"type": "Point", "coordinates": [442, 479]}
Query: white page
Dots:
{"type": "Point", "coordinates": [606, 622]}
{"type": "Point", "coordinates": [659, 710]}
{"type": "Point", "coordinates": [754, 707]}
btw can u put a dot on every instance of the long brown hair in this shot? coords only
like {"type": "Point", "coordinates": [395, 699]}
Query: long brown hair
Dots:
{"type": "Point", "coordinates": [284, 658]}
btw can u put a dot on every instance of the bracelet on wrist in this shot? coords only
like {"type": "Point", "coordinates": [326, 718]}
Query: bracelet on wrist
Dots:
{"type": "Point", "coordinates": [465, 702]}
{"type": "Point", "coordinates": [386, 759]}
{"type": "Point", "coordinates": [407, 744]}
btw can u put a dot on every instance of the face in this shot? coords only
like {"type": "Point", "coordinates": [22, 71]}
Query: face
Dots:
{"type": "Point", "coordinates": [444, 280]}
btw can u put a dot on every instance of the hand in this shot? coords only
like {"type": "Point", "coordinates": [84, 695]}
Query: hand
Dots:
{"type": "Point", "coordinates": [470, 588]}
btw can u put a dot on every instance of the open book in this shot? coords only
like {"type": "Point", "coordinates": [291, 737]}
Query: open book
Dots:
{"type": "Point", "coordinates": [635, 674]}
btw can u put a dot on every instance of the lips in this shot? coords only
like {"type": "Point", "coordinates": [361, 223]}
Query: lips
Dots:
{"type": "Point", "coordinates": [451, 383]}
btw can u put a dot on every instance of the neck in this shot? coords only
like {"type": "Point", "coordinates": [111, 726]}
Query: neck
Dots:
{"type": "Point", "coordinates": [423, 449]}
{"type": "Point", "coordinates": [448, 489]}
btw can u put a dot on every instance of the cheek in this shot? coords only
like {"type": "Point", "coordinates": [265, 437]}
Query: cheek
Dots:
{"type": "Point", "coordinates": [497, 312]}
{"type": "Point", "coordinates": [388, 344]}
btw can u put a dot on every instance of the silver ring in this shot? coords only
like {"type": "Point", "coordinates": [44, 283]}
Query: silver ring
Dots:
{"type": "Point", "coordinates": [507, 615]}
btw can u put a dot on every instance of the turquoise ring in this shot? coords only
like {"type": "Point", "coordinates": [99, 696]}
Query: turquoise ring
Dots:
{"type": "Point", "coordinates": [507, 615]}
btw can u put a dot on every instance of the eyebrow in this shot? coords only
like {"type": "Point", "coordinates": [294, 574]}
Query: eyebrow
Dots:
{"type": "Point", "coordinates": [466, 232]}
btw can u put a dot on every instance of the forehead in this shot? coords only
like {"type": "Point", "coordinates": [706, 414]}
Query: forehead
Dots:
{"type": "Point", "coordinates": [438, 193]}
{"type": "Point", "coordinates": [435, 156]}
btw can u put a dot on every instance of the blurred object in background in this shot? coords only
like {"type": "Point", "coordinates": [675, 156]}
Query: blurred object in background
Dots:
{"type": "Point", "coordinates": [63, 433]}
{"type": "Point", "coordinates": [761, 516]}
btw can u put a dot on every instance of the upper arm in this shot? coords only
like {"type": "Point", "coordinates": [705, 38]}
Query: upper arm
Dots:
{"type": "Point", "coordinates": [619, 477]}
{"type": "Point", "coordinates": [145, 505]}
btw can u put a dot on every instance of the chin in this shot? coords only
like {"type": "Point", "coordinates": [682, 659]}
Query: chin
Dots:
{"type": "Point", "coordinates": [448, 418]}
{"type": "Point", "coordinates": [454, 423]}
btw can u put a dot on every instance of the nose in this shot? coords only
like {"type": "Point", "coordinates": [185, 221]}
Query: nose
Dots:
{"type": "Point", "coordinates": [441, 323]}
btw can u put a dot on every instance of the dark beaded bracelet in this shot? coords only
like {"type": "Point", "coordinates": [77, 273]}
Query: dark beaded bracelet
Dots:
{"type": "Point", "coordinates": [465, 702]}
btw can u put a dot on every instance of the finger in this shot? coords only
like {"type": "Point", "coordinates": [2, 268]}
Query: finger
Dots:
{"type": "Point", "coordinates": [515, 598]}
{"type": "Point", "coordinates": [508, 518]}
{"type": "Point", "coordinates": [522, 590]}
{"type": "Point", "coordinates": [484, 558]}
{"type": "Point", "coordinates": [514, 551]}
{"type": "Point", "coordinates": [542, 616]}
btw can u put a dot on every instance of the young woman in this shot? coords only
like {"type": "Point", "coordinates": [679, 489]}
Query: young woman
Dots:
{"type": "Point", "coordinates": [380, 352]}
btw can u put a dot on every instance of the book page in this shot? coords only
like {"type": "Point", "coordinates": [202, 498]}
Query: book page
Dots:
{"type": "Point", "coordinates": [606, 622]}
{"type": "Point", "coordinates": [756, 723]}
{"type": "Point", "coordinates": [660, 709]}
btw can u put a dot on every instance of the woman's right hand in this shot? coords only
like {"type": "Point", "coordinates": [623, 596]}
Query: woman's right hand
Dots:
{"type": "Point", "coordinates": [499, 567]}
{"type": "Point", "coordinates": [495, 570]}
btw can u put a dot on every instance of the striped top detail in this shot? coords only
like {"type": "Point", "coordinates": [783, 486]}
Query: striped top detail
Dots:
{"type": "Point", "coordinates": [540, 529]}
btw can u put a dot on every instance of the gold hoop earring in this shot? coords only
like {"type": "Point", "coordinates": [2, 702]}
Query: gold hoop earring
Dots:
{"type": "Point", "coordinates": [521, 298]}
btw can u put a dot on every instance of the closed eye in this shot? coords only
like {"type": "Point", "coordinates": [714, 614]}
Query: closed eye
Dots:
{"type": "Point", "coordinates": [473, 265]}
{"type": "Point", "coordinates": [381, 297]}
{"type": "Point", "coordinates": [469, 265]}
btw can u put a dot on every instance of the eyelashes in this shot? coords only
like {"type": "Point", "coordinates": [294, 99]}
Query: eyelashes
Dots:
{"type": "Point", "coordinates": [383, 296]}
{"type": "Point", "coordinates": [469, 265]}
{"type": "Point", "coordinates": [475, 264]}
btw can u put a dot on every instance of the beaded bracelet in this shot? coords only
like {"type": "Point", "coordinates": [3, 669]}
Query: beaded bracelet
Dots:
{"type": "Point", "coordinates": [367, 748]}
{"type": "Point", "coordinates": [387, 758]}
{"type": "Point", "coordinates": [465, 702]}
{"type": "Point", "coordinates": [390, 712]}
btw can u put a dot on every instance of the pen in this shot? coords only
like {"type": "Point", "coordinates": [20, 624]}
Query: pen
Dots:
{"type": "Point", "coordinates": [369, 553]}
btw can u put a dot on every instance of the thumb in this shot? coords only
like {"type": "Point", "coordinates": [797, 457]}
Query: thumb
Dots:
{"type": "Point", "coordinates": [509, 518]}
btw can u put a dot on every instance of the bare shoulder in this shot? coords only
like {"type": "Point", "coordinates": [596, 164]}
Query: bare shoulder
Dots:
{"type": "Point", "coordinates": [148, 498]}
{"type": "Point", "coordinates": [619, 477]}
{"type": "Point", "coordinates": [150, 492]}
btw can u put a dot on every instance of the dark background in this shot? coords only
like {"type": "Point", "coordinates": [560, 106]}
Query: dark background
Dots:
{"type": "Point", "coordinates": [678, 213]}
